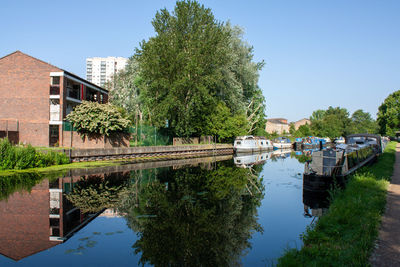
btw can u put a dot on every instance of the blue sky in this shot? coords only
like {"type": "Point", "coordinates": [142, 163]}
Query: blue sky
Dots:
{"type": "Point", "coordinates": [318, 53]}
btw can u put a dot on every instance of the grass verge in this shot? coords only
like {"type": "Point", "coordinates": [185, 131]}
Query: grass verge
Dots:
{"type": "Point", "coordinates": [55, 168]}
{"type": "Point", "coordinates": [345, 235]}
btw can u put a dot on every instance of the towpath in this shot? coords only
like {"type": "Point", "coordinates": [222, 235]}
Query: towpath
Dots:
{"type": "Point", "coordinates": [387, 252]}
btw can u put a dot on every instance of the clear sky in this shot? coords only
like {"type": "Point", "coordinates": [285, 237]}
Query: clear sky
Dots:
{"type": "Point", "coordinates": [318, 53]}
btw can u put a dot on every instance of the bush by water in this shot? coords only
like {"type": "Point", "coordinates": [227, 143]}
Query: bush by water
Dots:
{"type": "Point", "coordinates": [14, 157]}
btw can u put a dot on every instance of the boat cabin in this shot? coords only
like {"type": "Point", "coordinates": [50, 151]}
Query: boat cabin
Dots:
{"type": "Point", "coordinates": [251, 143]}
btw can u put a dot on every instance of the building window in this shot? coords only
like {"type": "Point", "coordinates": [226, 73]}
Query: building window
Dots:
{"type": "Point", "coordinates": [55, 80]}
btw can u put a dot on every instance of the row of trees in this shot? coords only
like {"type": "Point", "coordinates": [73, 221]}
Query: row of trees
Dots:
{"type": "Point", "coordinates": [335, 122]}
{"type": "Point", "coordinates": [389, 115]}
{"type": "Point", "coordinates": [195, 77]}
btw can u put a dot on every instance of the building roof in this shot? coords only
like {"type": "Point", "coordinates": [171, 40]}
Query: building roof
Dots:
{"type": "Point", "coordinates": [280, 119]}
{"type": "Point", "coordinates": [304, 119]}
{"type": "Point", "coordinates": [67, 72]}
{"type": "Point", "coordinates": [277, 121]}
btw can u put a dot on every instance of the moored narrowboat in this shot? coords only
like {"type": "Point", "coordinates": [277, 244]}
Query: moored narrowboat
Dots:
{"type": "Point", "coordinates": [281, 143]}
{"type": "Point", "coordinates": [251, 143]}
{"type": "Point", "coordinates": [342, 160]}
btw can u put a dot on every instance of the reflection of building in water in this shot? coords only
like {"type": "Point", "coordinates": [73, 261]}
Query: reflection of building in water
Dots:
{"type": "Point", "coordinates": [111, 213]}
{"type": "Point", "coordinates": [34, 221]}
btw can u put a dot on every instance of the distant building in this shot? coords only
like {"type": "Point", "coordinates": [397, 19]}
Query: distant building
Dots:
{"type": "Point", "coordinates": [99, 70]}
{"type": "Point", "coordinates": [36, 97]}
{"type": "Point", "coordinates": [301, 122]}
{"type": "Point", "coordinates": [277, 125]}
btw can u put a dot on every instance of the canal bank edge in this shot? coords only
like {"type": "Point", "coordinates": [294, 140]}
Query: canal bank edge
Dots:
{"type": "Point", "coordinates": [94, 158]}
{"type": "Point", "coordinates": [150, 151]}
{"type": "Point", "coordinates": [346, 234]}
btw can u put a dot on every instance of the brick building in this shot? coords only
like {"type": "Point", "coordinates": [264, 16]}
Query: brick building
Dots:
{"type": "Point", "coordinates": [301, 122]}
{"type": "Point", "coordinates": [277, 125]}
{"type": "Point", "coordinates": [36, 97]}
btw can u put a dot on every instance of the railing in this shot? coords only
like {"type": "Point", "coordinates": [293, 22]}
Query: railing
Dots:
{"type": "Point", "coordinates": [73, 93]}
{"type": "Point", "coordinates": [54, 90]}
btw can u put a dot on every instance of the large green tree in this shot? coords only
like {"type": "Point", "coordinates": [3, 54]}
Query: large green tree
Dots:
{"type": "Point", "coordinates": [182, 67]}
{"type": "Point", "coordinates": [241, 81]}
{"type": "Point", "coordinates": [389, 114]}
{"type": "Point", "coordinates": [363, 122]}
{"type": "Point", "coordinates": [192, 65]}
{"type": "Point", "coordinates": [124, 90]}
{"type": "Point", "coordinates": [333, 122]}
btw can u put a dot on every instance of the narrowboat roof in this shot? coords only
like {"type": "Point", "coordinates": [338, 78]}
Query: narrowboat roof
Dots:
{"type": "Point", "coordinates": [250, 137]}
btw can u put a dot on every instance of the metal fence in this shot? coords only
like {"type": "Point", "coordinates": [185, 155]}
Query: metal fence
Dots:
{"type": "Point", "coordinates": [141, 136]}
{"type": "Point", "coordinates": [145, 135]}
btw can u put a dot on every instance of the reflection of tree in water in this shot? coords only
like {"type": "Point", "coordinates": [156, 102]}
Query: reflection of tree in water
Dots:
{"type": "Point", "coordinates": [96, 192]}
{"type": "Point", "coordinates": [193, 216]}
{"type": "Point", "coordinates": [303, 158]}
{"type": "Point", "coordinates": [24, 181]}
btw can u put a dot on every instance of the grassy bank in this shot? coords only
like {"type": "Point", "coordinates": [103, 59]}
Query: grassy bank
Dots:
{"type": "Point", "coordinates": [345, 235]}
{"type": "Point", "coordinates": [25, 157]}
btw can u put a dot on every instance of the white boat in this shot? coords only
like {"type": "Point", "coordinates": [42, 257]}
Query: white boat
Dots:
{"type": "Point", "coordinates": [283, 153]}
{"type": "Point", "coordinates": [251, 143]}
{"type": "Point", "coordinates": [339, 140]}
{"type": "Point", "coordinates": [281, 143]}
{"type": "Point", "coordinates": [248, 160]}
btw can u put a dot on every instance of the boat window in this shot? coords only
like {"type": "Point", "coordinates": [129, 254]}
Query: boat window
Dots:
{"type": "Point", "coordinates": [262, 142]}
{"type": "Point", "coordinates": [238, 143]}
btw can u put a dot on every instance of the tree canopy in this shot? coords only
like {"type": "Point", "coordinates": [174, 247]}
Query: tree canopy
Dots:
{"type": "Point", "coordinates": [335, 122]}
{"type": "Point", "coordinates": [389, 114]}
{"type": "Point", "coordinates": [194, 71]}
{"type": "Point", "coordinates": [363, 122]}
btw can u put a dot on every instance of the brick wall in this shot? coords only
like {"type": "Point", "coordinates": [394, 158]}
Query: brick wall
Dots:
{"type": "Point", "coordinates": [24, 90]}
{"type": "Point", "coordinates": [117, 140]}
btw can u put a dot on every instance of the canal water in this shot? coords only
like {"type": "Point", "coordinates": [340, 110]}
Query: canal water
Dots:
{"type": "Point", "coordinates": [218, 211]}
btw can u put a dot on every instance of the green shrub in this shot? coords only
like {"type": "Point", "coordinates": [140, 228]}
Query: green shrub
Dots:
{"type": "Point", "coordinates": [7, 154]}
{"type": "Point", "coordinates": [12, 157]}
{"type": "Point", "coordinates": [25, 157]}
{"type": "Point", "coordinates": [94, 118]}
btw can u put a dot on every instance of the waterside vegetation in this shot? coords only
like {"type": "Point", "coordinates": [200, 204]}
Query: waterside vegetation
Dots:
{"type": "Point", "coordinates": [15, 157]}
{"type": "Point", "coordinates": [345, 235]}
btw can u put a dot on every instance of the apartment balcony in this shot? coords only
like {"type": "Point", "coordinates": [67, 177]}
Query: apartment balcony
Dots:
{"type": "Point", "coordinates": [73, 93]}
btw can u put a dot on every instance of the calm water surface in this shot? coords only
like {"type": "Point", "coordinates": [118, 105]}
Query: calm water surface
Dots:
{"type": "Point", "coordinates": [215, 212]}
